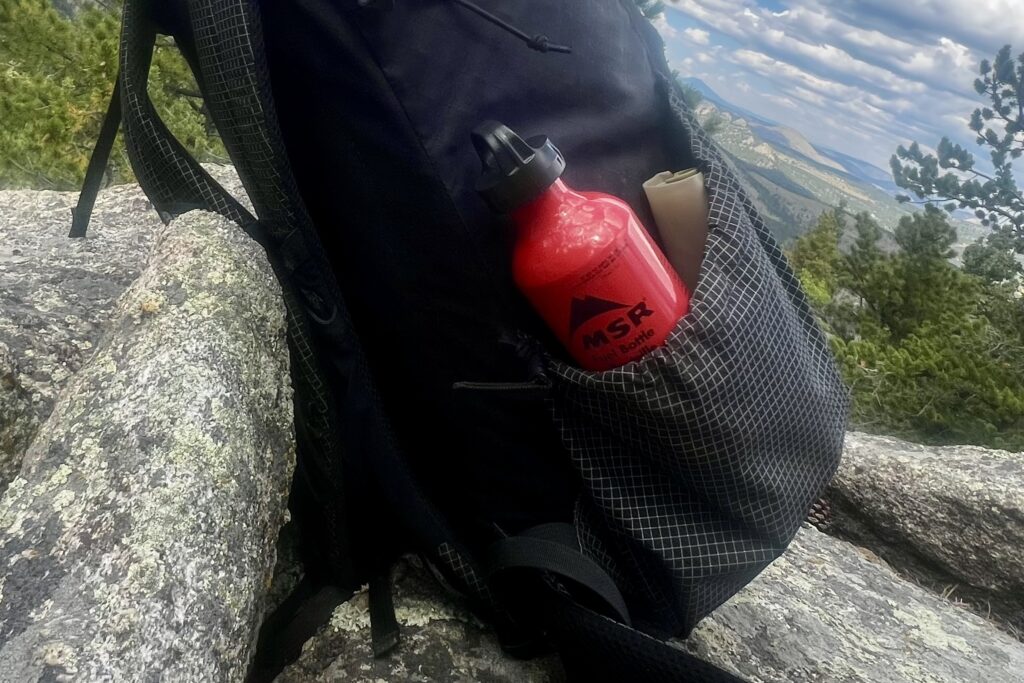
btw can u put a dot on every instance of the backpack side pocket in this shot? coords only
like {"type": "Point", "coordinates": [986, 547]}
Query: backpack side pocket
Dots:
{"type": "Point", "coordinates": [701, 459]}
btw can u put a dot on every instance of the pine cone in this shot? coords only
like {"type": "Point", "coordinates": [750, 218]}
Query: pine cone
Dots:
{"type": "Point", "coordinates": [820, 515]}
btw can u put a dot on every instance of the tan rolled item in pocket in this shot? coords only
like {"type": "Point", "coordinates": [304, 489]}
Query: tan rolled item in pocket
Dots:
{"type": "Point", "coordinates": [680, 207]}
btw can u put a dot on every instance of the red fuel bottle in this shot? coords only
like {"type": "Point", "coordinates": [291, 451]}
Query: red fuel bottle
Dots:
{"type": "Point", "coordinates": [581, 258]}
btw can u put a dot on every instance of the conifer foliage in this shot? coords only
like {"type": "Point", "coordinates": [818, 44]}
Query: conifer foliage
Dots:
{"type": "Point", "coordinates": [930, 351]}
{"type": "Point", "coordinates": [954, 179]}
{"type": "Point", "coordinates": [56, 76]}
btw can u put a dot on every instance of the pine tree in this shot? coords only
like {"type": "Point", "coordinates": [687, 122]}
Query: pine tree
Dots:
{"type": "Point", "coordinates": [994, 261]}
{"type": "Point", "coordinates": [930, 286]}
{"type": "Point", "coordinates": [56, 77]}
{"type": "Point", "coordinates": [952, 178]}
{"type": "Point", "coordinates": [864, 255]}
{"type": "Point", "coordinates": [816, 259]}
{"type": "Point", "coordinates": [931, 352]}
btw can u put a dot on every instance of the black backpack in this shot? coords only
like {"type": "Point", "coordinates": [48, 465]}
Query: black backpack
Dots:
{"type": "Point", "coordinates": [599, 513]}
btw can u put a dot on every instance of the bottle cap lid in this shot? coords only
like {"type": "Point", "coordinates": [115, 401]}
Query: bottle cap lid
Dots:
{"type": "Point", "coordinates": [514, 171]}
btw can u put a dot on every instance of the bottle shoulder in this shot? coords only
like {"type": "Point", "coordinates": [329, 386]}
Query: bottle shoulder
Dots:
{"type": "Point", "coordinates": [559, 245]}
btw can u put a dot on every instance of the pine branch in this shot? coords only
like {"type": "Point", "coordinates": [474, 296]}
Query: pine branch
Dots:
{"type": "Point", "coordinates": [178, 90]}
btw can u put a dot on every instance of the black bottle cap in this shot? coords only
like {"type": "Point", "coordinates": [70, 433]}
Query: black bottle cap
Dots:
{"type": "Point", "coordinates": [515, 171]}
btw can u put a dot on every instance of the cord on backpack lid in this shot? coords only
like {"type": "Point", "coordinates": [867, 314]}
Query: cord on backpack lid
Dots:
{"type": "Point", "coordinates": [539, 42]}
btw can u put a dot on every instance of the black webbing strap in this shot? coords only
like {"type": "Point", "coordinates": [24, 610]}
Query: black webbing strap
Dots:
{"type": "Point", "coordinates": [595, 645]}
{"type": "Point", "coordinates": [596, 648]}
{"type": "Point", "coordinates": [82, 212]}
{"type": "Point", "coordinates": [308, 607]}
{"type": "Point", "coordinates": [384, 629]}
{"type": "Point", "coordinates": [554, 548]}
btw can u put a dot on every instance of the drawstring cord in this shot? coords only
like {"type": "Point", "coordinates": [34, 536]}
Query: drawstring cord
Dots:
{"type": "Point", "coordinates": [539, 42]}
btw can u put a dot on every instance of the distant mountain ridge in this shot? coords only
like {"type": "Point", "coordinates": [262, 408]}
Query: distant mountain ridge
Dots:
{"type": "Point", "coordinates": [722, 104]}
{"type": "Point", "coordinates": [792, 139]}
{"type": "Point", "coordinates": [864, 170]}
{"type": "Point", "coordinates": [785, 137]}
{"type": "Point", "coordinates": [792, 180]}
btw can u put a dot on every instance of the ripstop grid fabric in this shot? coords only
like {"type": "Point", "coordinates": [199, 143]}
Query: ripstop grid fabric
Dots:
{"type": "Point", "coordinates": [701, 459]}
{"type": "Point", "coordinates": [227, 37]}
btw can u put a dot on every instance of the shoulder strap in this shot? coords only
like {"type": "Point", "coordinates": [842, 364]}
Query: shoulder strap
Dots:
{"type": "Point", "coordinates": [223, 44]}
{"type": "Point", "coordinates": [168, 174]}
{"type": "Point", "coordinates": [82, 212]}
{"type": "Point", "coordinates": [175, 183]}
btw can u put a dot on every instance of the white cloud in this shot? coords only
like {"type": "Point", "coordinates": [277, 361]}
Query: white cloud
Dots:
{"type": "Point", "coordinates": [810, 34]}
{"type": "Point", "coordinates": [667, 30]}
{"type": "Point", "coordinates": [782, 101]}
{"type": "Point", "coordinates": [984, 25]}
{"type": "Point", "coordinates": [786, 73]}
{"type": "Point", "coordinates": [844, 69]}
{"type": "Point", "coordinates": [698, 36]}
{"type": "Point", "coordinates": [808, 96]}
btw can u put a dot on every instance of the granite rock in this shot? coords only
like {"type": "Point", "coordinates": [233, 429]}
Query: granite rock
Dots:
{"type": "Point", "coordinates": [138, 542]}
{"type": "Point", "coordinates": [57, 294]}
{"type": "Point", "coordinates": [950, 517]}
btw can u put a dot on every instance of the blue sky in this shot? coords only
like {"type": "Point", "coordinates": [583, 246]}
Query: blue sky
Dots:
{"type": "Point", "coordinates": [860, 76]}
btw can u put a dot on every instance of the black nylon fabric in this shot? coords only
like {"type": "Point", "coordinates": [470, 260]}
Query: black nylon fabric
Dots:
{"type": "Point", "coordinates": [376, 108]}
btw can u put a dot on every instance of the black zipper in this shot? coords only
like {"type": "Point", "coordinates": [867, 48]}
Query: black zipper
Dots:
{"type": "Point", "coordinates": [538, 387]}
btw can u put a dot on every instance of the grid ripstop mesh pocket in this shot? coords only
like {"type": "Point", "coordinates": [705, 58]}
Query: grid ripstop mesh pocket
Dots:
{"type": "Point", "coordinates": [701, 459]}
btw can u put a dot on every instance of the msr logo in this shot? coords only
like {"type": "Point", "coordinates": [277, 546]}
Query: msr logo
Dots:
{"type": "Point", "coordinates": [590, 307]}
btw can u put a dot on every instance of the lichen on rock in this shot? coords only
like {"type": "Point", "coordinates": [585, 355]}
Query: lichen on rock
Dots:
{"type": "Point", "coordinates": [57, 294]}
{"type": "Point", "coordinates": [825, 612]}
{"type": "Point", "coordinates": [139, 539]}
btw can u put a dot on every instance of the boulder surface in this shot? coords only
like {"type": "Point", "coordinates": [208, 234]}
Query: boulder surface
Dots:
{"type": "Point", "coordinates": [826, 611]}
{"type": "Point", "coordinates": [949, 517]}
{"type": "Point", "coordinates": [57, 294]}
{"type": "Point", "coordinates": [138, 542]}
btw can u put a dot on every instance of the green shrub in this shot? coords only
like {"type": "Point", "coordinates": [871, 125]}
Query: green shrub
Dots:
{"type": "Point", "coordinates": [56, 76]}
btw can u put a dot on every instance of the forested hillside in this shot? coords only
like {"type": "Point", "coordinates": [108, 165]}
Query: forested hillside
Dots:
{"type": "Point", "coordinates": [57, 69]}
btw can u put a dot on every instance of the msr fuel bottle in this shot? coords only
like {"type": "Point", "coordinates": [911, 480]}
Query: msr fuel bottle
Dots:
{"type": "Point", "coordinates": [581, 258]}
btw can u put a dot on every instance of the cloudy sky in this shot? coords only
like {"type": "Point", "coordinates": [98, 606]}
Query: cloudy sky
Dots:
{"type": "Point", "coordinates": [860, 76]}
